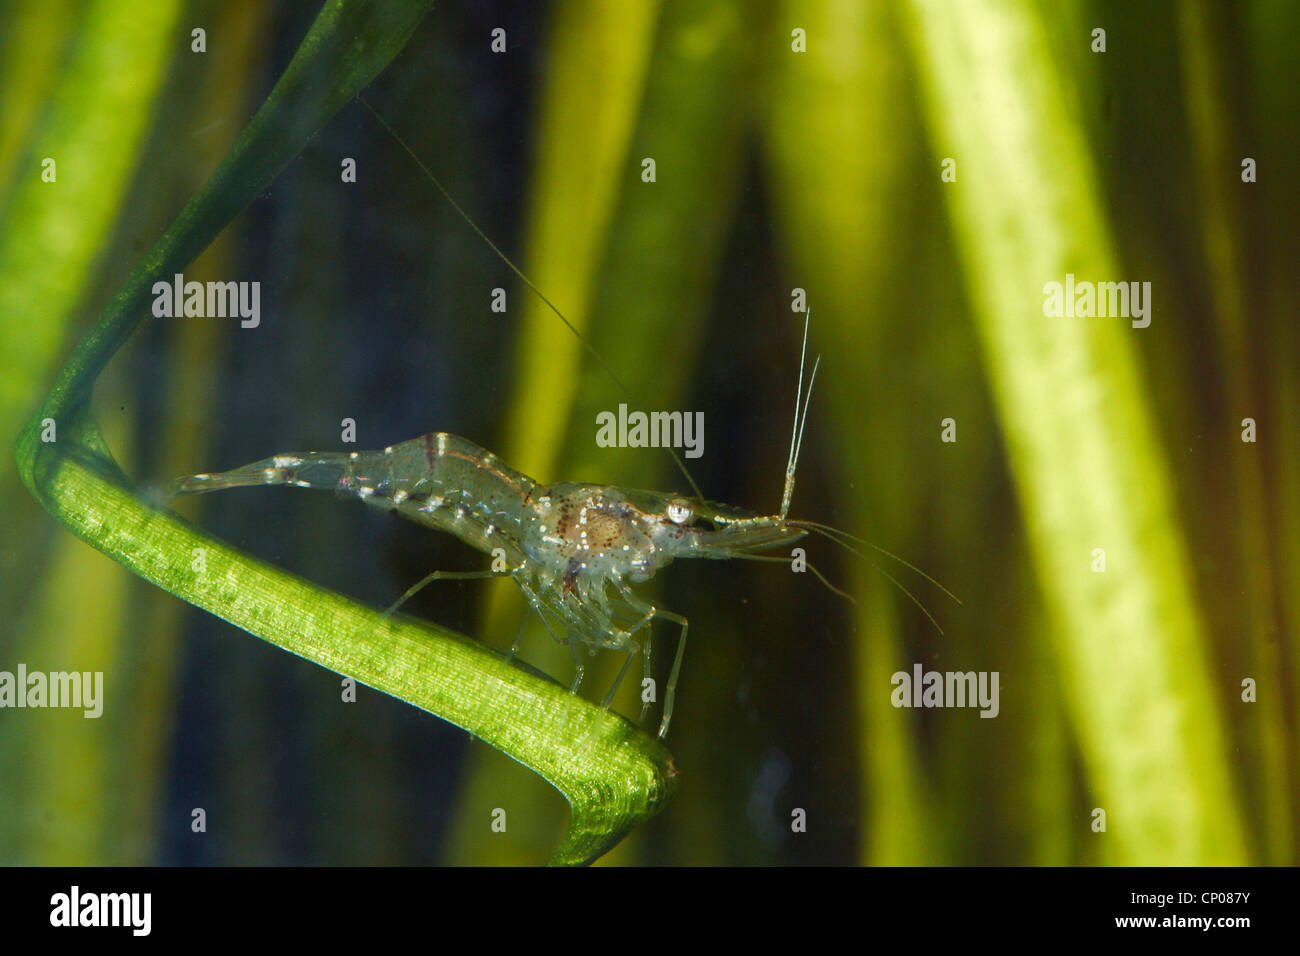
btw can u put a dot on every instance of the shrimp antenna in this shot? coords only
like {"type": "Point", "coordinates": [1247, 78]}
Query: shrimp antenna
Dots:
{"type": "Point", "coordinates": [800, 421]}
{"type": "Point", "coordinates": [838, 536]}
{"type": "Point", "coordinates": [822, 530]}
{"type": "Point", "coordinates": [681, 465]}
{"type": "Point", "coordinates": [808, 564]}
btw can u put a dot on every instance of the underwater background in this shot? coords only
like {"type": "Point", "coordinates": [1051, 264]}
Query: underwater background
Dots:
{"type": "Point", "coordinates": [797, 146]}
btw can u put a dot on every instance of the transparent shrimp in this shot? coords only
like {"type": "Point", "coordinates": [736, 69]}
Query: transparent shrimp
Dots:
{"type": "Point", "coordinates": [574, 550]}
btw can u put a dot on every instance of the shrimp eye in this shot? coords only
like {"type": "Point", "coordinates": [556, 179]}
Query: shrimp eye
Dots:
{"type": "Point", "coordinates": [679, 512]}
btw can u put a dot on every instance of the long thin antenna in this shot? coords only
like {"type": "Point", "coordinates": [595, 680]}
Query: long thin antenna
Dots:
{"type": "Point", "coordinates": [838, 536]}
{"type": "Point", "coordinates": [808, 564]}
{"type": "Point", "coordinates": [800, 421]}
{"type": "Point", "coordinates": [798, 396]}
{"type": "Point", "coordinates": [912, 597]}
{"type": "Point", "coordinates": [681, 465]}
{"type": "Point", "coordinates": [803, 421]}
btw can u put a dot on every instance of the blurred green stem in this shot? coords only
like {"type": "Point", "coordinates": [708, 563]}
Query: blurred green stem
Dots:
{"type": "Point", "coordinates": [1216, 129]}
{"type": "Point", "coordinates": [612, 775]}
{"type": "Point", "coordinates": [1027, 210]}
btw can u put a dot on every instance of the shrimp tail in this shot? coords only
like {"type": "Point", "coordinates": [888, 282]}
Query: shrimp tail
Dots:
{"type": "Point", "coordinates": [313, 470]}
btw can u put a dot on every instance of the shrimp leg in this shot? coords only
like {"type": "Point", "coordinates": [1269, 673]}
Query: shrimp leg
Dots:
{"type": "Point", "coordinates": [646, 672]}
{"type": "Point", "coordinates": [519, 635]}
{"type": "Point", "coordinates": [633, 648]}
{"type": "Point", "coordinates": [681, 622]}
{"type": "Point", "coordinates": [572, 635]}
{"type": "Point", "coordinates": [579, 667]}
{"type": "Point", "coordinates": [651, 612]}
{"type": "Point", "coordinates": [441, 576]}
{"type": "Point", "coordinates": [536, 604]}
{"type": "Point", "coordinates": [646, 669]}
{"type": "Point", "coordinates": [677, 668]}
{"type": "Point", "coordinates": [648, 614]}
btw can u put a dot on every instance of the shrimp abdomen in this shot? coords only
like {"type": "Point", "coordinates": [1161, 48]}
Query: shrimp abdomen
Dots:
{"type": "Point", "coordinates": [312, 470]}
{"type": "Point", "coordinates": [441, 480]}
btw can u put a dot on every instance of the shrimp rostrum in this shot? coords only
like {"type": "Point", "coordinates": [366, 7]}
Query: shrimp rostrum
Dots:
{"type": "Point", "coordinates": [574, 550]}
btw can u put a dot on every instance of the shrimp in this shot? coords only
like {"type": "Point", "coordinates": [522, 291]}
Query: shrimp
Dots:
{"type": "Point", "coordinates": [573, 549]}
